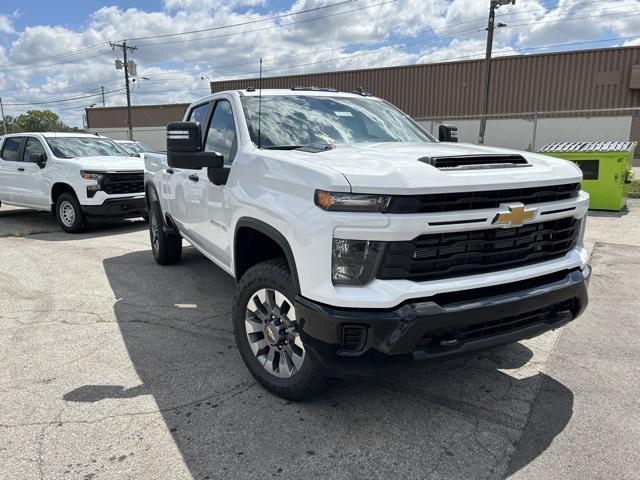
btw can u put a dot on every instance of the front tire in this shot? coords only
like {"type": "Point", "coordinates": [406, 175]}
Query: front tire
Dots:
{"type": "Point", "coordinates": [69, 214]}
{"type": "Point", "coordinates": [166, 248]}
{"type": "Point", "coordinates": [266, 332]}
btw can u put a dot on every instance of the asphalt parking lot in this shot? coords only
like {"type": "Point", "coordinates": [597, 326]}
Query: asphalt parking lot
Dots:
{"type": "Point", "coordinates": [115, 367]}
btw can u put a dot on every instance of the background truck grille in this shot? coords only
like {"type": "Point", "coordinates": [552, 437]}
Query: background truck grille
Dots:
{"type": "Point", "coordinates": [448, 202]}
{"type": "Point", "coordinates": [445, 255]}
{"type": "Point", "coordinates": [119, 183]}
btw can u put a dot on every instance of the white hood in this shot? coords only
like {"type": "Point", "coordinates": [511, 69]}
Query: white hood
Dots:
{"type": "Point", "coordinates": [395, 168]}
{"type": "Point", "coordinates": [109, 163]}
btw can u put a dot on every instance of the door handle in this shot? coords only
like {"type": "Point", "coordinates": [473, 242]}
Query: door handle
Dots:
{"type": "Point", "coordinates": [21, 169]}
{"type": "Point", "coordinates": [193, 177]}
{"type": "Point", "coordinates": [169, 171]}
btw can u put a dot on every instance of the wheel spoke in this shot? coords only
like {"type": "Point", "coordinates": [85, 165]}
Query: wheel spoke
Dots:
{"type": "Point", "coordinates": [284, 367]}
{"type": "Point", "coordinates": [268, 365]}
{"type": "Point", "coordinates": [296, 358]}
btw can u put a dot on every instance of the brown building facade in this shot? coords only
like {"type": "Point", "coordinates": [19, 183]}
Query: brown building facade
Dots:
{"type": "Point", "coordinates": [579, 80]}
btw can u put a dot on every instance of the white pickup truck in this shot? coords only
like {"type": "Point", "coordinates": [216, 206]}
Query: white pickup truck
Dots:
{"type": "Point", "coordinates": [357, 240]}
{"type": "Point", "coordinates": [80, 178]}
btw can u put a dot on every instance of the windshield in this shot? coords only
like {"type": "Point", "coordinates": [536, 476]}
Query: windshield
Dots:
{"type": "Point", "coordinates": [294, 120]}
{"type": "Point", "coordinates": [73, 147]}
{"type": "Point", "coordinates": [135, 147]}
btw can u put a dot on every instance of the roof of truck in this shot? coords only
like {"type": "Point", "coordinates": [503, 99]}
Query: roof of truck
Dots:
{"type": "Point", "coordinates": [55, 134]}
{"type": "Point", "coordinates": [311, 91]}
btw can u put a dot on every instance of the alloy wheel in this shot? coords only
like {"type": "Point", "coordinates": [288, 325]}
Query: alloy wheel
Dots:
{"type": "Point", "coordinates": [272, 332]}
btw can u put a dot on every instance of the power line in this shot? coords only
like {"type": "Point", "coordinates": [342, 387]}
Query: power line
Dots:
{"type": "Point", "coordinates": [64, 54]}
{"type": "Point", "coordinates": [46, 102]}
{"type": "Point", "coordinates": [220, 27]}
{"type": "Point", "coordinates": [272, 27]}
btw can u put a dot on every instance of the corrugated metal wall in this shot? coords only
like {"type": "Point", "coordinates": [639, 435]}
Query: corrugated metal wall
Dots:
{"type": "Point", "coordinates": [141, 115]}
{"type": "Point", "coordinates": [587, 79]}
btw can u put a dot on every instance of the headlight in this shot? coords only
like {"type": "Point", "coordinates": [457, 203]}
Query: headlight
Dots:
{"type": "Point", "coordinates": [355, 262]}
{"type": "Point", "coordinates": [92, 189]}
{"type": "Point", "coordinates": [91, 176]}
{"type": "Point", "coordinates": [351, 202]}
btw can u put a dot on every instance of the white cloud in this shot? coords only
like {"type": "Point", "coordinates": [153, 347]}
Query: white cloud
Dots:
{"type": "Point", "coordinates": [6, 24]}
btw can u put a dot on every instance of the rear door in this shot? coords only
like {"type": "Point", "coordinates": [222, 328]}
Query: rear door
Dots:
{"type": "Point", "coordinates": [10, 165]}
{"type": "Point", "coordinates": [31, 186]}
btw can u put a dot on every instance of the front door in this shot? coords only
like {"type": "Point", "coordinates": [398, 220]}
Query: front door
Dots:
{"type": "Point", "coordinates": [184, 195]}
{"type": "Point", "coordinates": [211, 227]}
{"type": "Point", "coordinates": [31, 188]}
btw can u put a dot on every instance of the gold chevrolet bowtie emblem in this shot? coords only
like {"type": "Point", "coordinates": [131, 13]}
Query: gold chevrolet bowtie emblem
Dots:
{"type": "Point", "coordinates": [516, 216]}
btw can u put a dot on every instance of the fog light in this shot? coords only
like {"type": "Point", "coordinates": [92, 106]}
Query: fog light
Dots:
{"type": "Point", "coordinates": [91, 190]}
{"type": "Point", "coordinates": [355, 262]}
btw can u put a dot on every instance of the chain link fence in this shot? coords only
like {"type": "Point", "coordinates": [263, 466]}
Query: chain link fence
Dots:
{"type": "Point", "coordinates": [533, 130]}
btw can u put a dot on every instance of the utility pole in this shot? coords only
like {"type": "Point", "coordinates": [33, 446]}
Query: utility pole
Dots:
{"type": "Point", "coordinates": [484, 103]}
{"type": "Point", "coordinates": [102, 88]}
{"type": "Point", "coordinates": [127, 65]}
{"type": "Point", "coordinates": [4, 123]}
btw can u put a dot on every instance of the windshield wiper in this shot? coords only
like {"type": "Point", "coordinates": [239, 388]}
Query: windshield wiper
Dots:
{"type": "Point", "coordinates": [282, 147]}
{"type": "Point", "coordinates": [312, 148]}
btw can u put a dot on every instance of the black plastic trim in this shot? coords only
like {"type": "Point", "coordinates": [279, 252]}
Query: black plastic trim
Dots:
{"type": "Point", "coordinates": [273, 234]}
{"type": "Point", "coordinates": [393, 335]}
{"type": "Point", "coordinates": [117, 208]}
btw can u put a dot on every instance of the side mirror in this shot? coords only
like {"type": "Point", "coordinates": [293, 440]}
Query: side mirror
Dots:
{"type": "Point", "coordinates": [185, 149]}
{"type": "Point", "coordinates": [39, 158]}
{"type": "Point", "coordinates": [448, 133]}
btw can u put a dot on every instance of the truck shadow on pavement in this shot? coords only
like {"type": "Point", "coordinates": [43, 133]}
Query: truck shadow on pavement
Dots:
{"type": "Point", "coordinates": [479, 416]}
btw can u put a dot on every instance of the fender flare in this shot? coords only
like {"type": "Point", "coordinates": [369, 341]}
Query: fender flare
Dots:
{"type": "Point", "coordinates": [274, 235]}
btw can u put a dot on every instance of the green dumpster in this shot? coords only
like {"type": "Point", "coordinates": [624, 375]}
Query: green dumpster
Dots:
{"type": "Point", "coordinates": [606, 168]}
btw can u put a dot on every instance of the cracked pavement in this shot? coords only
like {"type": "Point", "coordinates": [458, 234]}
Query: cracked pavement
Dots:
{"type": "Point", "coordinates": [115, 367]}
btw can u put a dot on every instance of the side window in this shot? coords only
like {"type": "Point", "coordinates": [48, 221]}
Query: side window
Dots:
{"type": "Point", "coordinates": [199, 113]}
{"type": "Point", "coordinates": [32, 147]}
{"type": "Point", "coordinates": [11, 149]}
{"type": "Point", "coordinates": [221, 137]}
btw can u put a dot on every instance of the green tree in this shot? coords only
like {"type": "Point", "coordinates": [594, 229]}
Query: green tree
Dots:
{"type": "Point", "coordinates": [38, 121]}
{"type": "Point", "coordinates": [12, 126]}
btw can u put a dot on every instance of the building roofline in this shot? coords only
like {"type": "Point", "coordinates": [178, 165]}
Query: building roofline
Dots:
{"type": "Point", "coordinates": [154, 105]}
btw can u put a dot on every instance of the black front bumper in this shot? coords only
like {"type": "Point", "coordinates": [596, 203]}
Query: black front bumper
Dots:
{"type": "Point", "coordinates": [117, 208]}
{"type": "Point", "coordinates": [346, 342]}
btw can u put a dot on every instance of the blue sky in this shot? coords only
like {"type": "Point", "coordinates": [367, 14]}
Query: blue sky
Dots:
{"type": "Point", "coordinates": [342, 35]}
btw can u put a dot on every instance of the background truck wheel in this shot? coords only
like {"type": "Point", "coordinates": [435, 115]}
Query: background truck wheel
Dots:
{"type": "Point", "coordinates": [266, 331]}
{"type": "Point", "coordinates": [68, 213]}
{"type": "Point", "coordinates": [167, 248]}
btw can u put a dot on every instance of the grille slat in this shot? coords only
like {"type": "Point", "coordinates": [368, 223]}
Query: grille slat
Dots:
{"type": "Point", "coordinates": [121, 183]}
{"type": "Point", "coordinates": [445, 255]}
{"type": "Point", "coordinates": [448, 202]}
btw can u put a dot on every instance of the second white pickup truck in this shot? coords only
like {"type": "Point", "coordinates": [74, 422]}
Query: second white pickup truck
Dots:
{"type": "Point", "coordinates": [357, 240]}
{"type": "Point", "coordinates": [80, 178]}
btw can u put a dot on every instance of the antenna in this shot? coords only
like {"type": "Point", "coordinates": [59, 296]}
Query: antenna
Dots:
{"type": "Point", "coordinates": [260, 106]}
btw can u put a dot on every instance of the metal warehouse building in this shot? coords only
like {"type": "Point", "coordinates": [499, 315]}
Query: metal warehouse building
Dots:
{"type": "Point", "coordinates": [534, 99]}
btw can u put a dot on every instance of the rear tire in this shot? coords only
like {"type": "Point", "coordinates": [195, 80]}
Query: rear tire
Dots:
{"type": "Point", "coordinates": [166, 248]}
{"type": "Point", "coordinates": [69, 214]}
{"type": "Point", "coordinates": [266, 332]}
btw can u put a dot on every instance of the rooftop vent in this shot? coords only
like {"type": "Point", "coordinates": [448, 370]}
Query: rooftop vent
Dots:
{"type": "Point", "coordinates": [476, 162]}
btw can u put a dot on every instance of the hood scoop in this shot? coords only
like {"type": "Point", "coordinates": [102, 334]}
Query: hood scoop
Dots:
{"type": "Point", "coordinates": [476, 162]}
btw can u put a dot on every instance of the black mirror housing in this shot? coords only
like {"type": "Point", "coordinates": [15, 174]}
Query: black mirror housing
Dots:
{"type": "Point", "coordinates": [448, 133]}
{"type": "Point", "coordinates": [39, 158]}
{"type": "Point", "coordinates": [185, 149]}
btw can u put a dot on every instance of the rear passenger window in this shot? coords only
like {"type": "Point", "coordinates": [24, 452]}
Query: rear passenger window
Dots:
{"type": "Point", "coordinates": [199, 113]}
{"type": "Point", "coordinates": [10, 149]}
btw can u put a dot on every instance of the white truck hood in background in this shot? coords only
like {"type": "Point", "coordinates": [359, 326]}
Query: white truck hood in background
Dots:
{"type": "Point", "coordinates": [108, 163]}
{"type": "Point", "coordinates": [395, 168]}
